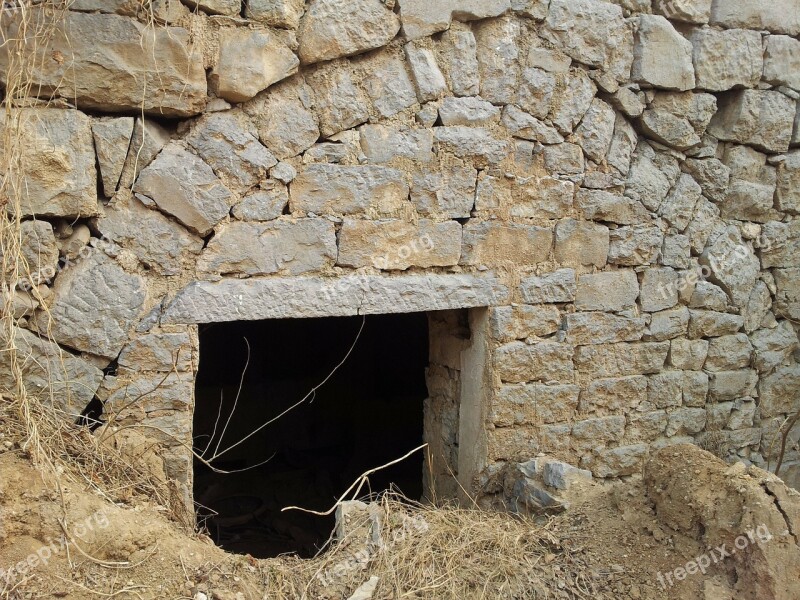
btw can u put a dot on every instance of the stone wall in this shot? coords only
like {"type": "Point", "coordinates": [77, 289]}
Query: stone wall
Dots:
{"type": "Point", "coordinates": [619, 181]}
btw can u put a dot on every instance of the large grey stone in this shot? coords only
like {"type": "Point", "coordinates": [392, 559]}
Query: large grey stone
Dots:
{"type": "Point", "coordinates": [217, 7]}
{"type": "Point", "coordinates": [428, 78]}
{"type": "Point", "coordinates": [290, 247]}
{"type": "Point", "coordinates": [159, 351]}
{"type": "Point", "coordinates": [276, 13]}
{"type": "Point", "coordinates": [625, 358]}
{"type": "Point", "coordinates": [610, 291]}
{"type": "Point", "coordinates": [570, 105]}
{"type": "Point", "coordinates": [477, 143]}
{"type": "Point", "coordinates": [558, 286]}
{"type": "Point", "coordinates": [535, 403]}
{"type": "Point", "coordinates": [728, 352]}
{"type": "Point", "coordinates": [334, 189]}
{"type": "Point", "coordinates": [334, 28]}
{"type": "Point", "coordinates": [581, 243]}
{"type": "Point", "coordinates": [147, 140]}
{"type": "Point", "coordinates": [184, 186]}
{"type": "Point", "coordinates": [468, 111]}
{"type": "Point", "coordinates": [687, 11]}
{"type": "Point", "coordinates": [460, 49]}
{"type": "Point", "coordinates": [56, 377]}
{"type": "Point", "coordinates": [228, 143]}
{"type": "Point", "coordinates": [600, 205]}
{"type": "Point", "coordinates": [112, 137]}
{"type": "Point", "coordinates": [38, 248]}
{"type": "Point", "coordinates": [632, 246]}
{"type": "Point", "coordinates": [655, 39]}
{"type": "Point", "coordinates": [264, 204]}
{"type": "Point", "coordinates": [773, 346]}
{"type": "Point", "coordinates": [760, 118]}
{"type": "Point", "coordinates": [448, 190]}
{"type": "Point", "coordinates": [142, 79]}
{"type": "Point", "coordinates": [250, 61]}
{"type": "Point", "coordinates": [602, 328]}
{"type": "Point", "coordinates": [57, 174]}
{"type": "Point", "coordinates": [421, 18]}
{"type": "Point", "coordinates": [518, 362]}
{"type": "Point", "coordinates": [782, 61]}
{"type": "Point", "coordinates": [596, 130]}
{"type": "Point", "coordinates": [678, 207]}
{"type": "Point", "coordinates": [787, 194]}
{"type": "Point", "coordinates": [297, 297]}
{"type": "Point", "coordinates": [338, 102]}
{"type": "Point", "coordinates": [509, 323]}
{"type": "Point", "coordinates": [726, 59]}
{"type": "Point", "coordinates": [157, 241]}
{"type": "Point", "coordinates": [397, 245]}
{"type": "Point", "coordinates": [778, 392]}
{"type": "Point", "coordinates": [284, 118]}
{"type": "Point", "coordinates": [522, 125]}
{"type": "Point", "coordinates": [780, 16]}
{"type": "Point", "coordinates": [382, 144]}
{"type": "Point", "coordinates": [386, 81]}
{"type": "Point", "coordinates": [733, 264]}
{"type": "Point", "coordinates": [495, 244]}
{"type": "Point", "coordinates": [94, 306]}
{"type": "Point", "coordinates": [498, 56]}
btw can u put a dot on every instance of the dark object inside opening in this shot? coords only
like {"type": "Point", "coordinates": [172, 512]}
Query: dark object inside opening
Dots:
{"type": "Point", "coordinates": [368, 413]}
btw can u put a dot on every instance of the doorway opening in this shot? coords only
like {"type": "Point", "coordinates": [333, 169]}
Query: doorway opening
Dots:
{"type": "Point", "coordinates": [371, 410]}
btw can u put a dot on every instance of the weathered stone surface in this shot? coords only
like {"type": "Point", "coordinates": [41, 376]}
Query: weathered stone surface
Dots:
{"type": "Point", "coordinates": [296, 297]}
{"type": "Point", "coordinates": [284, 119]}
{"type": "Point", "coordinates": [668, 324]}
{"type": "Point", "coordinates": [519, 362]}
{"type": "Point", "coordinates": [728, 352]}
{"type": "Point", "coordinates": [335, 28]}
{"type": "Point", "coordinates": [726, 59]}
{"type": "Point", "coordinates": [518, 322]}
{"type": "Point", "coordinates": [289, 247]}
{"type": "Point", "coordinates": [759, 305]}
{"type": "Point", "coordinates": [782, 61]}
{"type": "Point", "coordinates": [495, 244]}
{"type": "Point", "coordinates": [428, 78]}
{"type": "Point", "coordinates": [477, 143]}
{"type": "Point", "coordinates": [646, 182]}
{"type": "Point", "coordinates": [522, 125]}
{"type": "Point", "coordinates": [448, 191]}
{"type": "Point", "coordinates": [62, 140]}
{"type": "Point", "coordinates": [710, 296]}
{"type": "Point", "coordinates": [217, 7]}
{"type": "Point", "coordinates": [602, 328]}
{"type": "Point", "coordinates": [592, 33]}
{"type": "Point", "coordinates": [780, 244]}
{"type": "Point", "coordinates": [498, 55]}
{"type": "Point", "coordinates": [422, 18]}
{"type": "Point", "coordinates": [581, 243]}
{"type": "Point", "coordinates": [787, 293]}
{"type": "Point", "coordinates": [276, 13]}
{"type": "Point", "coordinates": [617, 462]}
{"type": "Point", "coordinates": [729, 385]}
{"type": "Point", "coordinates": [564, 159]}
{"type": "Point", "coordinates": [545, 198]}
{"type": "Point", "coordinates": [386, 81]}
{"type": "Point", "coordinates": [773, 346]}
{"type": "Point", "coordinates": [558, 286]}
{"type": "Point", "coordinates": [51, 374]}
{"type": "Point", "coordinates": [712, 175]}
{"type": "Point", "coordinates": [381, 144]}
{"type": "Point", "coordinates": [158, 351]}
{"type": "Point", "coordinates": [334, 189]}
{"type": "Point", "coordinates": [115, 298]}
{"type": "Point", "coordinates": [705, 224]}
{"type": "Point", "coordinates": [615, 396]}
{"type": "Point", "coordinates": [688, 354]}
{"type": "Point", "coordinates": [675, 251]}
{"type": "Point", "coordinates": [398, 245]}
{"type": "Point", "coordinates": [599, 205]}
{"type": "Point", "coordinates": [535, 93]}
{"type": "Point", "coordinates": [534, 403]}
{"type": "Point", "coordinates": [679, 205]}
{"type": "Point", "coordinates": [339, 104]}
{"type": "Point", "coordinates": [778, 392]}
{"type": "Point", "coordinates": [143, 80]}
{"type": "Point", "coordinates": [655, 39]}
{"type": "Point", "coordinates": [733, 264]}
{"type": "Point", "coordinates": [683, 421]}
{"type": "Point", "coordinates": [468, 111]}
{"type": "Point", "coordinates": [570, 105]}
{"type": "Point", "coordinates": [608, 291]}
{"type": "Point", "coordinates": [460, 50]}
{"type": "Point", "coordinates": [147, 140]}
{"type": "Point", "coordinates": [633, 246]}
{"type": "Point", "coordinates": [623, 143]}
{"type": "Point", "coordinates": [787, 193]}
{"type": "Point", "coordinates": [38, 248]}
{"type": "Point", "coordinates": [264, 204]}
{"type": "Point", "coordinates": [760, 118]}
{"type": "Point", "coordinates": [669, 129]}
{"type": "Point", "coordinates": [250, 61]}
{"type": "Point", "coordinates": [595, 132]}
{"type": "Point", "coordinates": [227, 143]}
{"type": "Point", "coordinates": [781, 16]}
{"type": "Point", "coordinates": [121, 7]}
{"type": "Point", "coordinates": [659, 289]}
{"type": "Point", "coordinates": [688, 11]}
{"type": "Point", "coordinates": [157, 241]}
{"type": "Point", "coordinates": [112, 137]}
{"type": "Point", "coordinates": [184, 186]}
{"type": "Point", "coordinates": [707, 323]}
{"type": "Point", "coordinates": [599, 430]}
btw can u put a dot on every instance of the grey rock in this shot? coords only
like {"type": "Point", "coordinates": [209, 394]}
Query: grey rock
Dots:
{"type": "Point", "coordinates": [386, 81]}
{"type": "Point", "coordinates": [264, 204]}
{"type": "Point", "coordinates": [688, 354]}
{"type": "Point", "coordinates": [623, 143]}
{"type": "Point", "coordinates": [733, 264]}
{"type": "Point", "coordinates": [518, 362]}
{"type": "Point", "coordinates": [726, 59]}
{"type": "Point", "coordinates": [147, 140]}
{"type": "Point", "coordinates": [610, 291]}
{"type": "Point", "coordinates": [787, 193]}
{"type": "Point", "coordinates": [782, 61]}
{"type": "Point", "coordinates": [382, 144]}
{"type": "Point", "coordinates": [511, 323]}
{"type": "Point", "coordinates": [334, 189]}
{"type": "Point", "coordinates": [495, 244]}
{"type": "Point", "coordinates": [779, 17]}
{"type": "Point", "coordinates": [498, 56]}
{"type": "Point", "coordinates": [115, 300]}
{"type": "Point", "coordinates": [296, 297]}
{"type": "Point", "coordinates": [729, 385]}
{"type": "Point", "coordinates": [616, 360]}
{"type": "Point", "coordinates": [276, 13]}
{"type": "Point", "coordinates": [668, 324]}
{"type": "Point", "coordinates": [707, 323]}
{"type": "Point", "coordinates": [635, 245]}
{"type": "Point", "coordinates": [687, 11]}
{"type": "Point", "coordinates": [655, 38]}
{"type": "Point", "coordinates": [596, 130]}
{"type": "Point", "coordinates": [678, 207]}
{"type": "Point", "coordinates": [675, 251]}
{"type": "Point", "coordinates": [448, 191]}
{"type": "Point", "coordinates": [709, 296]}
{"type": "Point", "coordinates": [335, 28]}
{"type": "Point", "coordinates": [759, 304]}
{"type": "Point", "coordinates": [228, 144]}
{"type": "Point", "coordinates": [159, 351]}
{"type": "Point", "coordinates": [462, 62]}
{"type": "Point", "coordinates": [564, 159]}
{"type": "Point", "coordinates": [428, 78]}
{"type": "Point", "coordinates": [535, 403]}
{"type": "Point", "coordinates": [712, 175]}
{"type": "Point", "coordinates": [184, 186]}
{"type": "Point", "coordinates": [421, 18]}
{"type": "Point", "coordinates": [558, 286]}
{"type": "Point", "coordinates": [250, 61]}
{"type": "Point", "coordinates": [728, 352]}
{"type": "Point", "coordinates": [477, 143]}
{"type": "Point", "coordinates": [659, 289]}
{"type": "Point", "coordinates": [339, 103]}
{"type": "Point", "coordinates": [522, 125]}
{"type": "Point", "coordinates": [602, 328]}
{"type": "Point", "coordinates": [38, 248]}
{"type": "Point", "coordinates": [599, 205]}
{"type": "Point", "coordinates": [290, 247]}
{"type": "Point", "coordinates": [778, 392]}
{"type": "Point", "coordinates": [536, 91]}
{"type": "Point", "coordinates": [216, 7]}
{"type": "Point", "coordinates": [617, 462]}
{"type": "Point", "coordinates": [468, 111]}
{"type": "Point", "coordinates": [561, 475]}
{"type": "Point", "coordinates": [112, 137]}
{"type": "Point", "coordinates": [760, 118]}
{"type": "Point", "coordinates": [570, 105]}
{"type": "Point", "coordinates": [773, 346]}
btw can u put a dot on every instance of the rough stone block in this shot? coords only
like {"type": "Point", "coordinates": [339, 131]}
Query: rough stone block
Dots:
{"type": "Point", "coordinates": [338, 102]}
{"type": "Point", "coordinates": [561, 475]}
{"type": "Point", "coordinates": [518, 362]}
{"type": "Point", "coordinates": [386, 81]}
{"type": "Point", "coordinates": [147, 140]}
{"type": "Point", "coordinates": [659, 289]}
{"type": "Point", "coordinates": [668, 324]}
{"type": "Point", "coordinates": [602, 328]}
{"type": "Point", "coordinates": [382, 143]}
{"type": "Point", "coordinates": [498, 56]}
{"type": "Point", "coordinates": [787, 193]}
{"type": "Point", "coordinates": [596, 130]}
{"type": "Point", "coordinates": [779, 392]}
{"type": "Point", "coordinates": [334, 28]}
{"type": "Point", "coordinates": [634, 246]}
{"type": "Point", "coordinates": [728, 352]}
{"type": "Point", "coordinates": [522, 125]}
{"type": "Point", "coordinates": [688, 354]}
{"type": "Point", "coordinates": [616, 395]}
{"type": "Point", "coordinates": [518, 322]}
{"type": "Point", "coordinates": [535, 403]}
{"type": "Point", "coordinates": [678, 207]}
{"type": "Point", "coordinates": [476, 143]}
{"type": "Point", "coordinates": [686, 421]}
{"type": "Point", "coordinates": [729, 385]}
{"type": "Point", "coordinates": [569, 106]}
{"type": "Point", "coordinates": [460, 49]}
{"type": "Point", "coordinates": [184, 186]}
{"type": "Point", "coordinates": [665, 390]}
{"type": "Point", "coordinates": [428, 78]}
{"type": "Point", "coordinates": [558, 286]}
{"type": "Point", "coordinates": [687, 11]}
{"type": "Point", "coordinates": [599, 430]}
{"type": "Point", "coordinates": [760, 118]}
{"type": "Point", "coordinates": [617, 462]}
{"type": "Point", "coordinates": [264, 204]}
{"type": "Point", "coordinates": [275, 13]}
{"type": "Point", "coordinates": [773, 346]}
{"type": "Point", "coordinates": [112, 137]}
{"type": "Point", "coordinates": [421, 18]}
{"type": "Point", "coordinates": [581, 243]}
{"type": "Point", "coordinates": [782, 61]}
{"type": "Point", "coordinates": [780, 16]}
{"type": "Point", "coordinates": [495, 244]}
{"type": "Point", "coordinates": [726, 59]}
{"type": "Point", "coordinates": [285, 247]}
{"type": "Point", "coordinates": [655, 39]}
{"type": "Point", "coordinates": [344, 190]}
{"type": "Point", "coordinates": [616, 360]}
{"type": "Point", "coordinates": [398, 245]}
{"type": "Point", "coordinates": [610, 291]}
{"type": "Point", "coordinates": [448, 190]}
{"type": "Point", "coordinates": [468, 111]}
{"type": "Point", "coordinates": [159, 351]}
{"type": "Point", "coordinates": [707, 323]}
{"type": "Point", "coordinates": [38, 248]}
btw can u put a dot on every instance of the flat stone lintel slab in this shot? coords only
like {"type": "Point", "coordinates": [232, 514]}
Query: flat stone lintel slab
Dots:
{"type": "Point", "coordinates": [304, 297]}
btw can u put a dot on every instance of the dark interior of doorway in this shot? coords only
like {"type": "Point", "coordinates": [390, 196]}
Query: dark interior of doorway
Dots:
{"type": "Point", "coordinates": [367, 414]}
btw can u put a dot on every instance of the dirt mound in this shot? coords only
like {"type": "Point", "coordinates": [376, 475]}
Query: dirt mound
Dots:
{"type": "Point", "coordinates": [748, 520]}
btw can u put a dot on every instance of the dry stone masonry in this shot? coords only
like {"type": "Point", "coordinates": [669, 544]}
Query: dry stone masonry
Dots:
{"type": "Point", "coordinates": [618, 181]}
